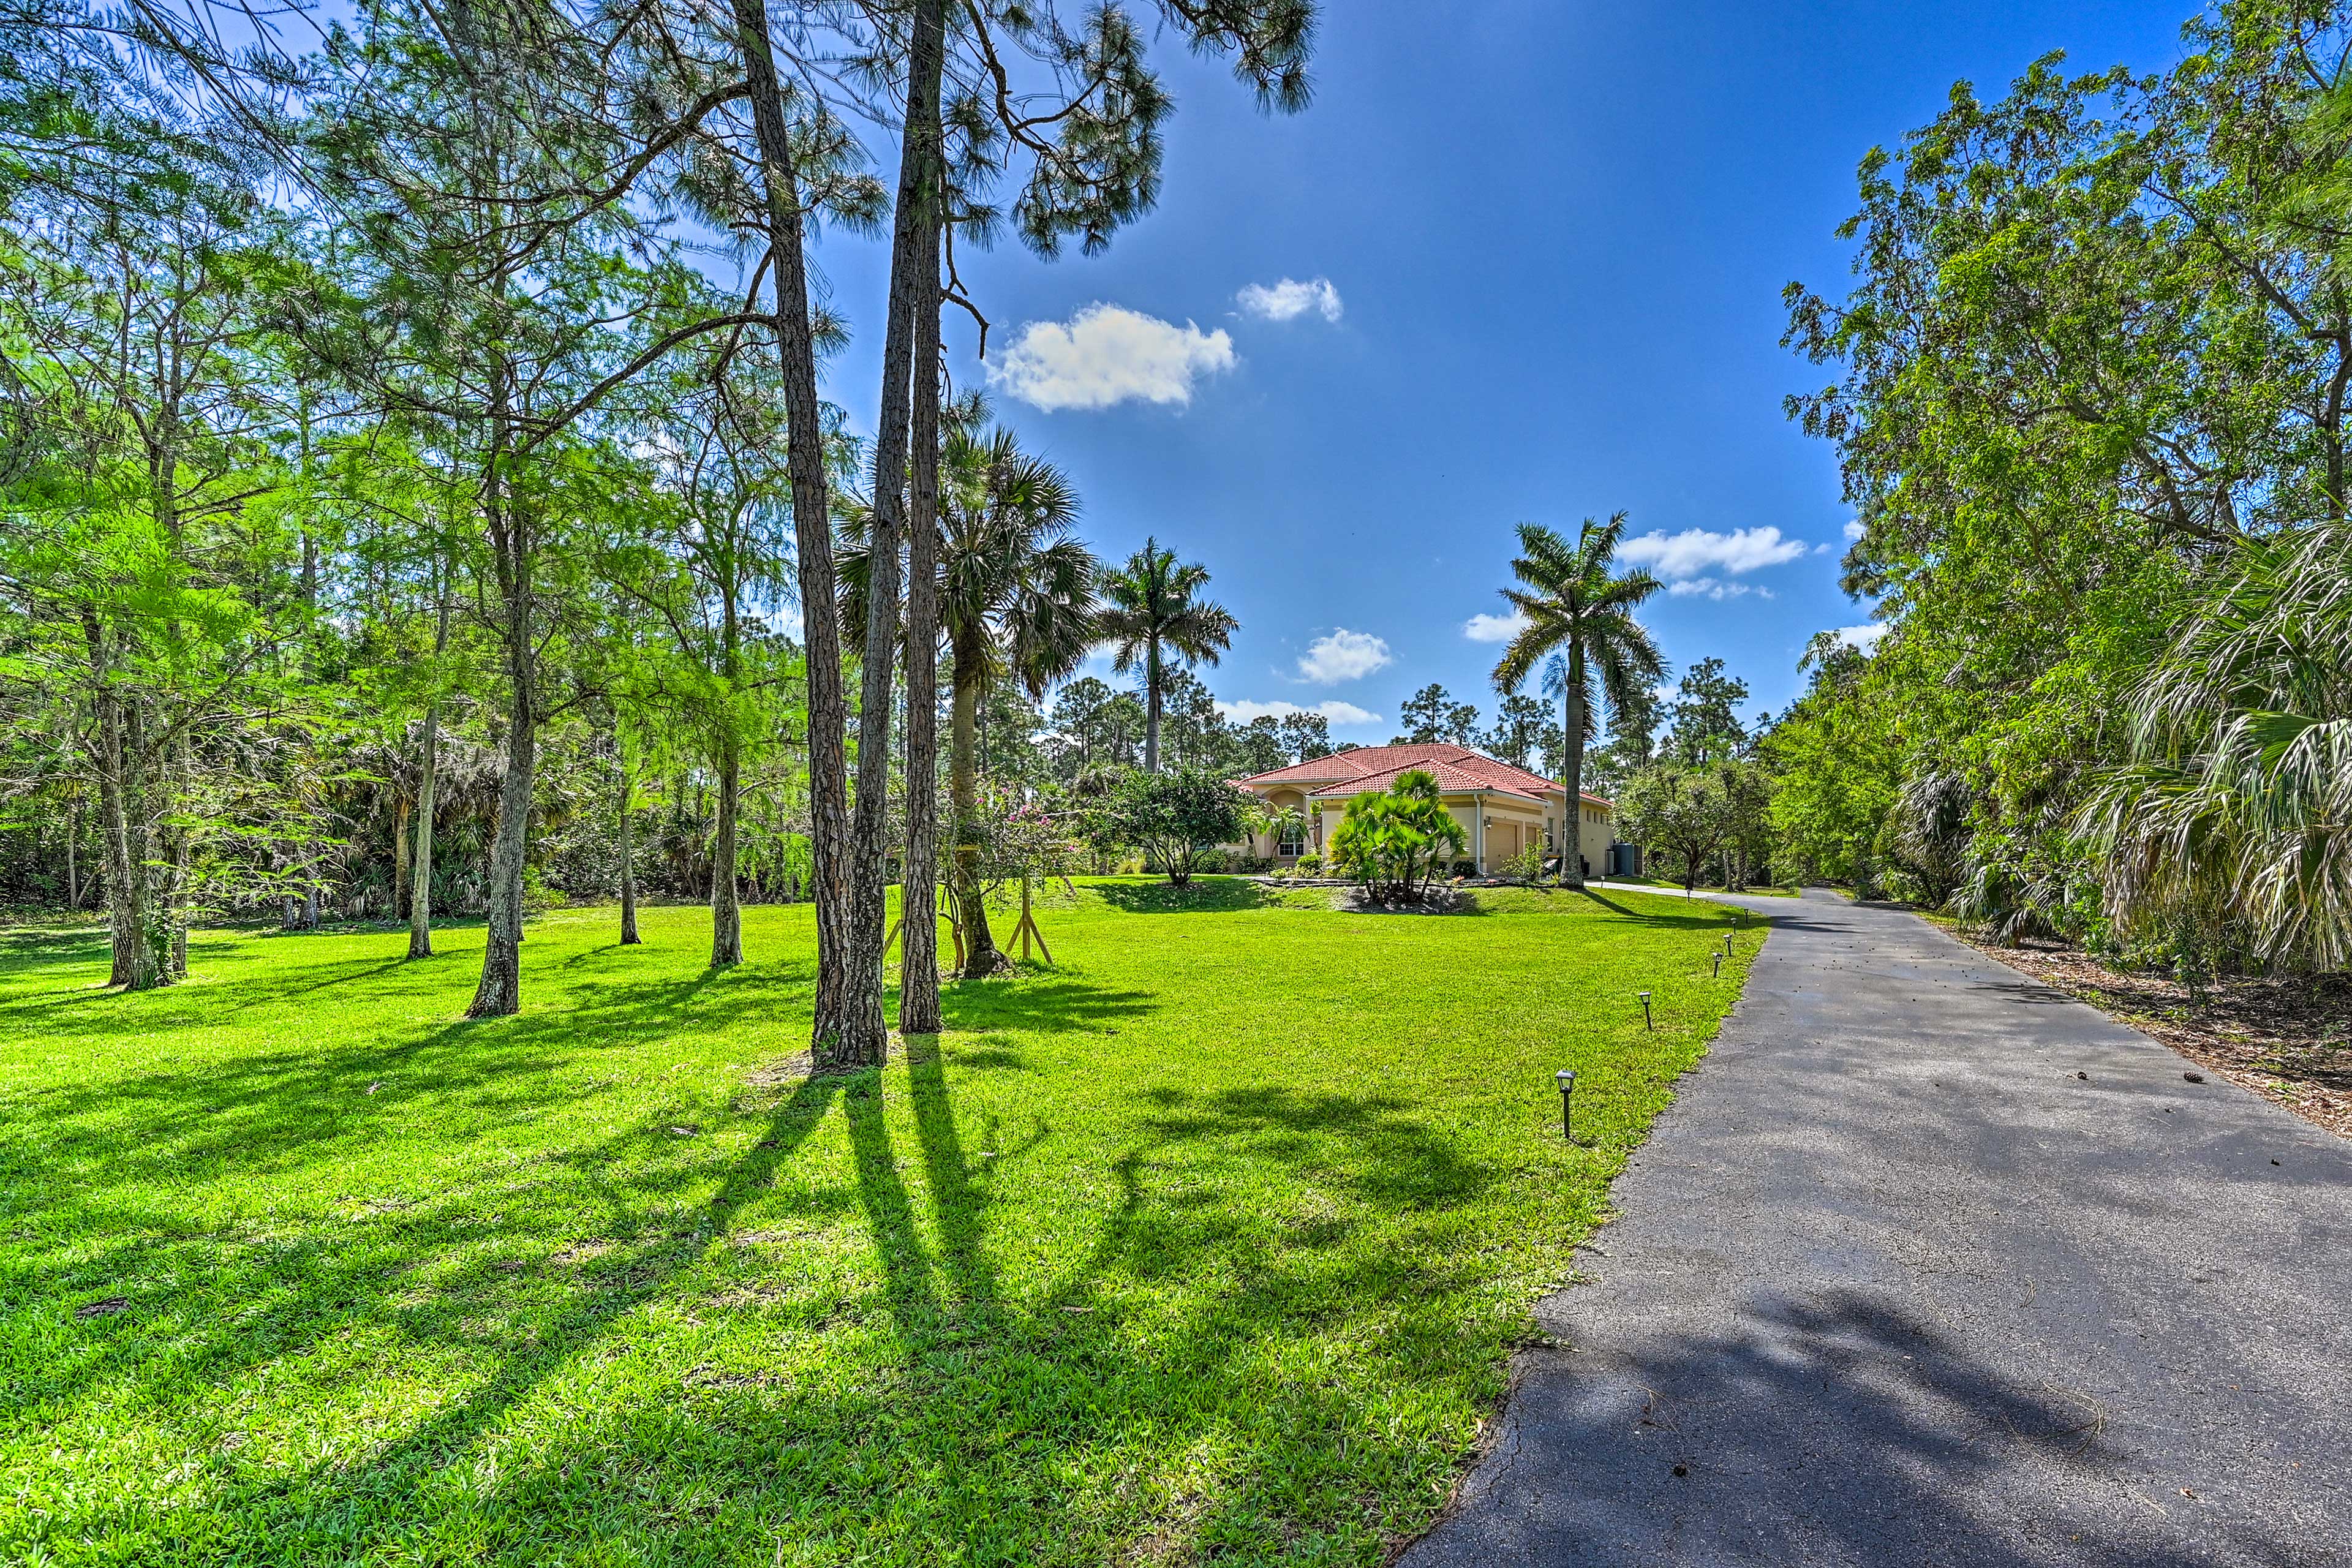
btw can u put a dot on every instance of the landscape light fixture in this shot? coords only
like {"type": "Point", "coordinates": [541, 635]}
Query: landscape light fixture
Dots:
{"type": "Point", "coordinates": [1646, 1022]}
{"type": "Point", "coordinates": [1566, 1077]}
{"type": "Point", "coordinates": [1726, 944]}
{"type": "Point", "coordinates": [1719, 966]}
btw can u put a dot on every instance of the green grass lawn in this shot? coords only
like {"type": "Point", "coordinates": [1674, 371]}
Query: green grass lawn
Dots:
{"type": "Point", "coordinates": [1212, 1241]}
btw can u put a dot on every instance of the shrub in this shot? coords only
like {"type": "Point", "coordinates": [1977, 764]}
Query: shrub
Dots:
{"type": "Point", "coordinates": [1526, 866]}
{"type": "Point", "coordinates": [1179, 818]}
{"type": "Point", "coordinates": [1308, 865]}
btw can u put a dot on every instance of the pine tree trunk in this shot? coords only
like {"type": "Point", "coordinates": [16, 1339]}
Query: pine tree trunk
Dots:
{"type": "Point", "coordinates": [180, 856]}
{"type": "Point", "coordinates": [500, 994]}
{"type": "Point", "coordinates": [726, 913]}
{"type": "Point", "coordinates": [914, 246]}
{"type": "Point", "coordinates": [918, 983]}
{"type": "Point", "coordinates": [420, 879]}
{"type": "Point", "coordinates": [981, 958]}
{"type": "Point", "coordinates": [917, 248]}
{"type": "Point", "coordinates": [847, 1029]}
{"type": "Point", "coordinates": [629, 937]}
{"type": "Point", "coordinates": [137, 965]}
{"type": "Point", "coordinates": [401, 807]}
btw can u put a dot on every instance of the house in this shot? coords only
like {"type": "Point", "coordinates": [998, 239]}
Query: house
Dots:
{"type": "Point", "coordinates": [1502, 809]}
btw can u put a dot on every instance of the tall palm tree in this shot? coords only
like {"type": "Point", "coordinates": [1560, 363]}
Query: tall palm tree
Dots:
{"type": "Point", "coordinates": [1017, 602]}
{"type": "Point", "coordinates": [1152, 613]}
{"type": "Point", "coordinates": [1576, 603]}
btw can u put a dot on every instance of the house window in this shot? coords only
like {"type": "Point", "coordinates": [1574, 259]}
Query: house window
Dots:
{"type": "Point", "coordinates": [1294, 839]}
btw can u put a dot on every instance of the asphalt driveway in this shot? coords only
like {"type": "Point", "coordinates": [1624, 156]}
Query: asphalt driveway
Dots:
{"type": "Point", "coordinates": [1930, 1264]}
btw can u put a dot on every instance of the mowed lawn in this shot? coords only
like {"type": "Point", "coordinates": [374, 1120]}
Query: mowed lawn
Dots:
{"type": "Point", "coordinates": [1210, 1243]}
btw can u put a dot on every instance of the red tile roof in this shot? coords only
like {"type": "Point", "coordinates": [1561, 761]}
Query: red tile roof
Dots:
{"type": "Point", "coordinates": [1457, 769]}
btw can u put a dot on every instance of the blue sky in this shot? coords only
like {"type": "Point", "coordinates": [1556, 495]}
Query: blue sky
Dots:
{"type": "Point", "coordinates": [1536, 254]}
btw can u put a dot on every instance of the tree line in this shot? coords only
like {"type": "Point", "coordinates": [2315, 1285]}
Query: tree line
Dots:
{"type": "Point", "coordinates": [2091, 404]}
{"type": "Point", "coordinates": [2090, 396]}
{"type": "Point", "coordinates": [412, 420]}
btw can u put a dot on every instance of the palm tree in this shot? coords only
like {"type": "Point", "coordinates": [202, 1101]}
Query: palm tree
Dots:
{"type": "Point", "coordinates": [1017, 602]}
{"type": "Point", "coordinates": [2232, 822]}
{"type": "Point", "coordinates": [1576, 603]}
{"type": "Point", "coordinates": [1153, 613]}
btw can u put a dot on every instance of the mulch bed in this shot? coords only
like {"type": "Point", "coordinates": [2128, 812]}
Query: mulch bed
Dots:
{"type": "Point", "coordinates": [2289, 1041]}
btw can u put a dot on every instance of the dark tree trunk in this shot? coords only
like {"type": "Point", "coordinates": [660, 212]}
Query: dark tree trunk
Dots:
{"type": "Point", "coordinates": [121, 821]}
{"type": "Point", "coordinates": [500, 994]}
{"type": "Point", "coordinates": [1151, 708]}
{"type": "Point", "coordinates": [915, 297]}
{"type": "Point", "coordinates": [847, 1030]}
{"type": "Point", "coordinates": [420, 879]}
{"type": "Point", "coordinates": [179, 860]}
{"type": "Point", "coordinates": [913, 288]}
{"type": "Point", "coordinates": [629, 937]}
{"type": "Point", "coordinates": [726, 913]}
{"type": "Point", "coordinates": [73, 871]}
{"type": "Point", "coordinates": [401, 868]}
{"type": "Point", "coordinates": [137, 965]}
{"type": "Point", "coordinates": [919, 987]}
{"type": "Point", "coordinates": [981, 958]}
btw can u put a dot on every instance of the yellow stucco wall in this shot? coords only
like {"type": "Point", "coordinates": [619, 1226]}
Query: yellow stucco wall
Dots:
{"type": "Point", "coordinates": [1500, 824]}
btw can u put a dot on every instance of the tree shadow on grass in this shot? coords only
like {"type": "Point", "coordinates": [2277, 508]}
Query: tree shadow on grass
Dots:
{"type": "Point", "coordinates": [39, 947]}
{"type": "Point", "coordinates": [582, 999]}
{"type": "Point", "coordinates": [262, 1297]}
{"type": "Point", "coordinates": [1374, 1143]}
{"type": "Point", "coordinates": [1701, 917]}
{"type": "Point", "coordinates": [982, 1417]}
{"type": "Point", "coordinates": [1055, 1002]}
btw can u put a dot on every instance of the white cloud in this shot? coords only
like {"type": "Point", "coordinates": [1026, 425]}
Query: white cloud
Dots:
{"type": "Point", "coordinates": [1865, 637]}
{"type": "Point", "coordinates": [1696, 551]}
{"type": "Point", "coordinates": [1495, 628]}
{"type": "Point", "coordinates": [1107, 354]}
{"type": "Point", "coordinates": [1342, 656]}
{"type": "Point", "coordinates": [1289, 299]}
{"type": "Point", "coordinates": [1241, 712]}
{"type": "Point", "coordinates": [1854, 529]}
{"type": "Point", "coordinates": [1715, 588]}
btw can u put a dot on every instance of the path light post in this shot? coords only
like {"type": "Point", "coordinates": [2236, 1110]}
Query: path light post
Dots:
{"type": "Point", "coordinates": [1646, 1022]}
{"type": "Point", "coordinates": [1566, 1077]}
{"type": "Point", "coordinates": [1719, 966]}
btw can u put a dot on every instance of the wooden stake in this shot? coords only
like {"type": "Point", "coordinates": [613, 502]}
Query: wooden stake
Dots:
{"type": "Point", "coordinates": [1027, 930]}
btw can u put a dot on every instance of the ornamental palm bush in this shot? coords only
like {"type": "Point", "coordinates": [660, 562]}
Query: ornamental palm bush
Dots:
{"type": "Point", "coordinates": [2231, 826]}
{"type": "Point", "coordinates": [1393, 841]}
